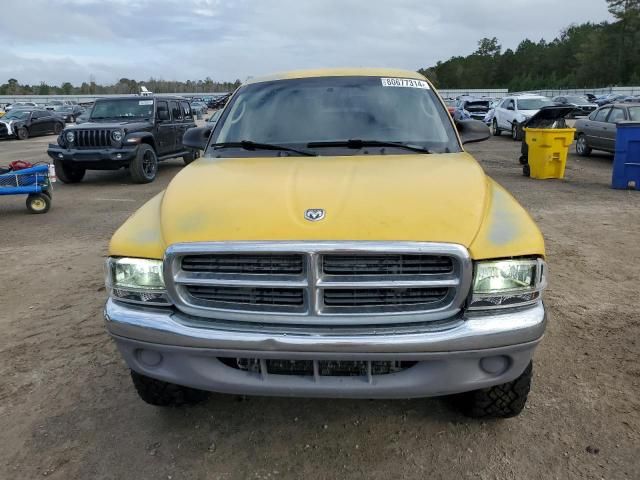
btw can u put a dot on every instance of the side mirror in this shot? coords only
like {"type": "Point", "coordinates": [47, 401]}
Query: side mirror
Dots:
{"type": "Point", "coordinates": [472, 131]}
{"type": "Point", "coordinates": [163, 115]}
{"type": "Point", "coordinates": [197, 138]}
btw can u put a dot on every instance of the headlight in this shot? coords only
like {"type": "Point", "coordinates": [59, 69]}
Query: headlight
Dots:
{"type": "Point", "coordinates": [136, 280]}
{"type": "Point", "coordinates": [116, 135]}
{"type": "Point", "coordinates": [70, 137]}
{"type": "Point", "coordinates": [507, 283]}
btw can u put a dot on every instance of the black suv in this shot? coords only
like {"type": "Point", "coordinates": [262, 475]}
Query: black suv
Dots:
{"type": "Point", "coordinates": [130, 132]}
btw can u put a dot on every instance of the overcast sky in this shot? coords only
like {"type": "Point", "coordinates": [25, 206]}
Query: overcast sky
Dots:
{"type": "Point", "coordinates": [70, 40]}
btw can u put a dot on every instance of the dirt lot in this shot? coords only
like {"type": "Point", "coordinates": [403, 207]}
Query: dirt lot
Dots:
{"type": "Point", "coordinates": [68, 410]}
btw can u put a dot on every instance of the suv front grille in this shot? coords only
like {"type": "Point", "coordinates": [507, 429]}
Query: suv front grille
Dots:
{"type": "Point", "coordinates": [341, 283]}
{"type": "Point", "coordinates": [93, 138]}
{"type": "Point", "coordinates": [318, 368]}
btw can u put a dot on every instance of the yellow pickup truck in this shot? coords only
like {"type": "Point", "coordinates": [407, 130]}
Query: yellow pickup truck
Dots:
{"type": "Point", "coordinates": [335, 240]}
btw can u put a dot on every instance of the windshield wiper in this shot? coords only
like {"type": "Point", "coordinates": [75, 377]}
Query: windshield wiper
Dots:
{"type": "Point", "coordinates": [357, 143]}
{"type": "Point", "coordinates": [249, 145]}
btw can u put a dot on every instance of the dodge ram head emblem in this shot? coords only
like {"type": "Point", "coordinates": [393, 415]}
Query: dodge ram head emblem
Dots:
{"type": "Point", "coordinates": [314, 214]}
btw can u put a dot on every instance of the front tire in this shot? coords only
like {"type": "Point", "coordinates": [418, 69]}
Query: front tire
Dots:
{"type": "Point", "coordinates": [164, 394]}
{"type": "Point", "coordinates": [68, 173]}
{"type": "Point", "coordinates": [495, 130]}
{"type": "Point", "coordinates": [500, 401]}
{"type": "Point", "coordinates": [516, 132]}
{"type": "Point", "coordinates": [22, 133]}
{"type": "Point", "coordinates": [582, 147]}
{"type": "Point", "coordinates": [38, 203]}
{"type": "Point", "coordinates": [190, 157]}
{"type": "Point", "coordinates": [144, 167]}
{"type": "Point", "coordinates": [57, 128]}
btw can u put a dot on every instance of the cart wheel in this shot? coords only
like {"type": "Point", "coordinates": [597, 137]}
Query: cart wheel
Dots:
{"type": "Point", "coordinates": [526, 170]}
{"type": "Point", "coordinates": [48, 193]}
{"type": "Point", "coordinates": [38, 203]}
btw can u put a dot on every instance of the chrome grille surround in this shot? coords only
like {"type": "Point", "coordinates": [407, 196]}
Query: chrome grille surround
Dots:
{"type": "Point", "coordinates": [313, 282]}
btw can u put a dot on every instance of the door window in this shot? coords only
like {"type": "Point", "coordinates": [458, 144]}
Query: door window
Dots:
{"type": "Point", "coordinates": [186, 110]}
{"type": "Point", "coordinates": [162, 107]}
{"type": "Point", "coordinates": [617, 115]}
{"type": "Point", "coordinates": [601, 116]}
{"type": "Point", "coordinates": [176, 111]}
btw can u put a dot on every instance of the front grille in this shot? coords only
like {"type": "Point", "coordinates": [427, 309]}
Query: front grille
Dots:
{"type": "Point", "coordinates": [93, 138]}
{"type": "Point", "coordinates": [386, 264]}
{"type": "Point", "coordinates": [370, 297]}
{"type": "Point", "coordinates": [265, 264]}
{"type": "Point", "coordinates": [324, 283]}
{"type": "Point", "coordinates": [317, 368]}
{"type": "Point", "coordinates": [248, 295]}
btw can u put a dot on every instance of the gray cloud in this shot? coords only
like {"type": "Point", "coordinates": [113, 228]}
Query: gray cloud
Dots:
{"type": "Point", "coordinates": [69, 40]}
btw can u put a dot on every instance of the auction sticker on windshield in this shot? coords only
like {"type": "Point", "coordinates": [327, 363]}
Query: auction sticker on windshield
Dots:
{"type": "Point", "coordinates": [145, 102]}
{"type": "Point", "coordinates": [404, 83]}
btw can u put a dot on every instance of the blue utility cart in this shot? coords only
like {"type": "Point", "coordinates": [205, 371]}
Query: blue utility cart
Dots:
{"type": "Point", "coordinates": [33, 182]}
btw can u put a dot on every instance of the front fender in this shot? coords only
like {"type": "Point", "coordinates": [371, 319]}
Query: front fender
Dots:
{"type": "Point", "coordinates": [135, 138]}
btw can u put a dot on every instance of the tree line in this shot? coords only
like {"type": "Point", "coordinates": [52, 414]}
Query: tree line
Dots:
{"type": "Point", "coordinates": [123, 86]}
{"type": "Point", "coordinates": [589, 55]}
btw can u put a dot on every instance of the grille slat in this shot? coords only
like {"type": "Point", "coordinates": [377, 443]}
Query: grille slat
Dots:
{"type": "Point", "coordinates": [266, 264]}
{"type": "Point", "coordinates": [386, 264]}
{"type": "Point", "coordinates": [382, 296]}
{"type": "Point", "coordinates": [249, 295]}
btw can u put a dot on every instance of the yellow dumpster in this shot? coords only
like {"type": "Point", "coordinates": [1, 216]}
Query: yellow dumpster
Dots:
{"type": "Point", "coordinates": [548, 150]}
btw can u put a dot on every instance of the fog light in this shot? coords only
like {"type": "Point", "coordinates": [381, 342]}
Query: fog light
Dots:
{"type": "Point", "coordinates": [119, 156]}
{"type": "Point", "coordinates": [60, 155]}
{"type": "Point", "coordinates": [149, 358]}
{"type": "Point", "coordinates": [495, 365]}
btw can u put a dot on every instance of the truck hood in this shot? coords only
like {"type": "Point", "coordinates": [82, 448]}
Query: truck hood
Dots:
{"type": "Point", "coordinates": [426, 198]}
{"type": "Point", "coordinates": [387, 197]}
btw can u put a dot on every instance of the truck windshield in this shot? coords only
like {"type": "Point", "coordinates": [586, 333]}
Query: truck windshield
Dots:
{"type": "Point", "coordinates": [134, 108]}
{"type": "Point", "coordinates": [299, 112]}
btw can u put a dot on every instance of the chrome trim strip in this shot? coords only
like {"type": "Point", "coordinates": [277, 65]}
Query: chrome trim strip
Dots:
{"type": "Point", "coordinates": [313, 282]}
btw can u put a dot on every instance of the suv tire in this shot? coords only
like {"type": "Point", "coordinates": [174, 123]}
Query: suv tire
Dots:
{"type": "Point", "coordinates": [582, 147]}
{"type": "Point", "coordinates": [190, 157]}
{"type": "Point", "coordinates": [144, 167]}
{"type": "Point", "coordinates": [516, 132]}
{"type": "Point", "coordinates": [68, 173]}
{"type": "Point", "coordinates": [164, 394]}
{"type": "Point", "coordinates": [500, 401]}
{"type": "Point", "coordinates": [494, 128]}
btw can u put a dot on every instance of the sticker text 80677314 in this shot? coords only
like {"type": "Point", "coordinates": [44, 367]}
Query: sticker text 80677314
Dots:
{"type": "Point", "coordinates": [404, 83]}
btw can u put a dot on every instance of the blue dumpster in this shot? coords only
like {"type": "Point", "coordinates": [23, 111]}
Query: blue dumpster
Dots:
{"type": "Point", "coordinates": [626, 164]}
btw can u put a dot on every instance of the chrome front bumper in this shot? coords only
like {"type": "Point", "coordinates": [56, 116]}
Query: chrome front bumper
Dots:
{"type": "Point", "coordinates": [454, 356]}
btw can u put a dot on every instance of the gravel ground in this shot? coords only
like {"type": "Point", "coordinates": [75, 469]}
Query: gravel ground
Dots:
{"type": "Point", "coordinates": [68, 410]}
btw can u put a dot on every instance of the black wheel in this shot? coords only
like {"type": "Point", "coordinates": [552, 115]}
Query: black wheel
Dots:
{"type": "Point", "coordinates": [516, 131]}
{"type": "Point", "coordinates": [501, 401]}
{"type": "Point", "coordinates": [144, 167]}
{"type": "Point", "coordinates": [523, 160]}
{"type": "Point", "coordinates": [38, 203]}
{"type": "Point", "coordinates": [494, 128]}
{"type": "Point", "coordinates": [67, 172]}
{"type": "Point", "coordinates": [582, 147]}
{"type": "Point", "coordinates": [190, 157]}
{"type": "Point", "coordinates": [22, 133]}
{"type": "Point", "coordinates": [164, 394]}
{"type": "Point", "coordinates": [48, 193]}
{"type": "Point", "coordinates": [57, 128]}
{"type": "Point", "coordinates": [526, 170]}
